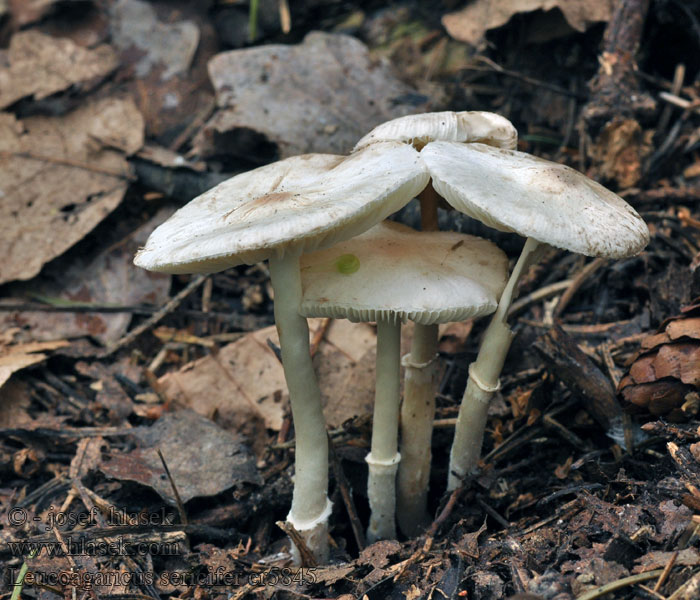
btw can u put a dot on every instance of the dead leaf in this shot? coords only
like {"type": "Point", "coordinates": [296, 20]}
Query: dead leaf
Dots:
{"type": "Point", "coordinates": [454, 337]}
{"type": "Point", "coordinates": [39, 65]}
{"type": "Point", "coordinates": [620, 150]}
{"type": "Point", "coordinates": [319, 96]}
{"type": "Point", "coordinates": [88, 456]}
{"type": "Point", "coordinates": [562, 471]}
{"type": "Point", "coordinates": [469, 542]}
{"type": "Point", "coordinates": [14, 402]}
{"type": "Point", "coordinates": [167, 55]}
{"type": "Point", "coordinates": [203, 459]}
{"type": "Point", "coordinates": [377, 554]}
{"type": "Point", "coordinates": [17, 357]}
{"type": "Point", "coordinates": [243, 384]}
{"type": "Point", "coordinates": [25, 12]}
{"type": "Point", "coordinates": [109, 278]}
{"type": "Point", "coordinates": [471, 23]}
{"type": "Point", "coordinates": [689, 557]}
{"type": "Point", "coordinates": [60, 176]}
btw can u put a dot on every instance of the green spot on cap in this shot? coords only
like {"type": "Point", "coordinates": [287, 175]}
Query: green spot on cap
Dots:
{"type": "Point", "coordinates": [347, 264]}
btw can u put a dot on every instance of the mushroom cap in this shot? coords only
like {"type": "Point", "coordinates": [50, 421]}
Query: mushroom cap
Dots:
{"type": "Point", "coordinates": [466, 126]}
{"type": "Point", "coordinates": [552, 203]}
{"type": "Point", "coordinates": [291, 206]}
{"type": "Point", "coordinates": [427, 277]}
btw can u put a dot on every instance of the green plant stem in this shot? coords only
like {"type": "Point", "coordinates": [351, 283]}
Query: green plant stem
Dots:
{"type": "Point", "coordinates": [383, 460]}
{"type": "Point", "coordinates": [310, 505]}
{"type": "Point", "coordinates": [483, 382]}
{"type": "Point", "coordinates": [19, 584]}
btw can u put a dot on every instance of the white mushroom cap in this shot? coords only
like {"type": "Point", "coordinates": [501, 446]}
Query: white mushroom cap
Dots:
{"type": "Point", "coordinates": [466, 126]}
{"type": "Point", "coordinates": [427, 277]}
{"type": "Point", "coordinates": [291, 206]}
{"type": "Point", "coordinates": [552, 203]}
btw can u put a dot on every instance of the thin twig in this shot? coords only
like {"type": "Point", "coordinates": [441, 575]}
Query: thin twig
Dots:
{"type": "Point", "coordinates": [167, 308]}
{"type": "Point", "coordinates": [347, 496]}
{"type": "Point", "coordinates": [178, 500]}
{"type": "Point", "coordinates": [576, 284]}
{"type": "Point", "coordinates": [619, 584]}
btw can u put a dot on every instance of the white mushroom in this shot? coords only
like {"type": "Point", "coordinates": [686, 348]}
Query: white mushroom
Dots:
{"type": "Point", "coordinates": [544, 201]}
{"type": "Point", "coordinates": [418, 408]}
{"type": "Point", "coordinates": [389, 274]}
{"type": "Point", "coordinates": [277, 212]}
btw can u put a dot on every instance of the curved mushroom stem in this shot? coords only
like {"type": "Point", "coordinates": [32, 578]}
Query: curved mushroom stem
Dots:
{"type": "Point", "coordinates": [483, 380]}
{"type": "Point", "coordinates": [418, 408]}
{"type": "Point", "coordinates": [383, 460]}
{"type": "Point", "coordinates": [310, 504]}
{"type": "Point", "coordinates": [417, 414]}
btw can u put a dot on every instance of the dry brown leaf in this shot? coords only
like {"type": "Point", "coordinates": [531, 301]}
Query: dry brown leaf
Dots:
{"type": "Point", "coordinates": [40, 65]}
{"type": "Point", "coordinates": [319, 96]}
{"type": "Point", "coordinates": [165, 48]}
{"type": "Point", "coordinates": [243, 384]}
{"type": "Point", "coordinates": [59, 177]}
{"type": "Point", "coordinates": [689, 557]}
{"type": "Point", "coordinates": [14, 402]}
{"type": "Point", "coordinates": [107, 278]}
{"type": "Point", "coordinates": [19, 356]}
{"type": "Point", "coordinates": [471, 23]}
{"type": "Point", "coordinates": [29, 11]}
{"type": "Point", "coordinates": [620, 151]}
{"type": "Point", "coordinates": [203, 459]}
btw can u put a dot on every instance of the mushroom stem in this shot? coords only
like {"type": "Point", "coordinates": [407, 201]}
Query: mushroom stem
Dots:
{"type": "Point", "coordinates": [483, 381]}
{"type": "Point", "coordinates": [418, 409]}
{"type": "Point", "coordinates": [310, 504]}
{"type": "Point", "coordinates": [417, 414]}
{"type": "Point", "coordinates": [383, 460]}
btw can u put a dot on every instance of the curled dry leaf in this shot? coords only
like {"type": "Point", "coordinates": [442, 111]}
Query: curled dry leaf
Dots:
{"type": "Point", "coordinates": [19, 356]}
{"type": "Point", "coordinates": [664, 378]}
{"type": "Point", "coordinates": [319, 96]}
{"type": "Point", "coordinates": [40, 65]}
{"type": "Point", "coordinates": [59, 177]}
{"type": "Point", "coordinates": [471, 23]}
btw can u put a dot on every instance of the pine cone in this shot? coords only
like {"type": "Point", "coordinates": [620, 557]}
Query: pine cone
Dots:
{"type": "Point", "coordinates": [664, 377]}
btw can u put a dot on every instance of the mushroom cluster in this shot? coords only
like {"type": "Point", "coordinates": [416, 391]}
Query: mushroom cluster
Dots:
{"type": "Point", "coordinates": [308, 216]}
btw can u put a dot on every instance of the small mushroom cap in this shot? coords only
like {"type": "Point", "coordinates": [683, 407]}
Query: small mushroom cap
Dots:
{"type": "Point", "coordinates": [395, 273]}
{"type": "Point", "coordinates": [552, 203]}
{"type": "Point", "coordinates": [291, 206]}
{"type": "Point", "coordinates": [466, 126]}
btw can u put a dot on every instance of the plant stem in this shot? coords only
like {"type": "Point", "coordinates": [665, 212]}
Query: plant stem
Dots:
{"type": "Point", "coordinates": [310, 505]}
{"type": "Point", "coordinates": [483, 382]}
{"type": "Point", "coordinates": [417, 414]}
{"type": "Point", "coordinates": [383, 460]}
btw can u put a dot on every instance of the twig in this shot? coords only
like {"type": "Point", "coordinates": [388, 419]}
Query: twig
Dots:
{"type": "Point", "coordinates": [531, 80]}
{"type": "Point", "coordinates": [667, 571]}
{"type": "Point", "coordinates": [347, 497]}
{"type": "Point", "coordinates": [307, 558]}
{"type": "Point", "coordinates": [167, 308]}
{"type": "Point", "coordinates": [540, 294]}
{"type": "Point", "coordinates": [178, 500]}
{"type": "Point", "coordinates": [619, 584]}
{"type": "Point", "coordinates": [319, 334]}
{"type": "Point", "coordinates": [576, 284]}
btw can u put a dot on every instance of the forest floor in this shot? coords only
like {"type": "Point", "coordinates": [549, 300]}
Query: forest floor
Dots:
{"type": "Point", "coordinates": [116, 112]}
